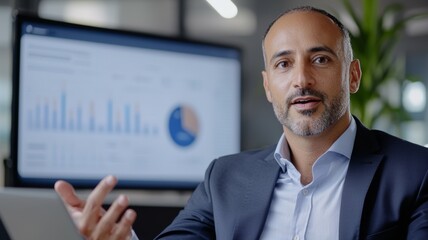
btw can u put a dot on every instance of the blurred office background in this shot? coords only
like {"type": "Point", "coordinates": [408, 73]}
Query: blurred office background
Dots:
{"type": "Point", "coordinates": [196, 19]}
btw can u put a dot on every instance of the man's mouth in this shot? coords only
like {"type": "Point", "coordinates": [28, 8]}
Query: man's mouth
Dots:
{"type": "Point", "coordinates": [306, 102]}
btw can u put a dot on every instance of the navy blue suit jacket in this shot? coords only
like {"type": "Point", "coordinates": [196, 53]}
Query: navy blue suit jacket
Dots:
{"type": "Point", "coordinates": [385, 195]}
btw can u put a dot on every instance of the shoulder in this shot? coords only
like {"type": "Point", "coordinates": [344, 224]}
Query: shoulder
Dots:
{"type": "Point", "coordinates": [401, 160]}
{"type": "Point", "coordinates": [243, 163]}
{"type": "Point", "coordinates": [398, 156]}
{"type": "Point", "coordinates": [395, 145]}
{"type": "Point", "coordinates": [260, 154]}
{"type": "Point", "coordinates": [371, 141]}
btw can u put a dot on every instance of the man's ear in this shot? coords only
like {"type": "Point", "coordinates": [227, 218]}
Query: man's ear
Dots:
{"type": "Point", "coordinates": [354, 76]}
{"type": "Point", "coordinates": [266, 86]}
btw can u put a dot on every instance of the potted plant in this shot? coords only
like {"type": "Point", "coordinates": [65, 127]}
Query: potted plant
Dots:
{"type": "Point", "coordinates": [374, 42]}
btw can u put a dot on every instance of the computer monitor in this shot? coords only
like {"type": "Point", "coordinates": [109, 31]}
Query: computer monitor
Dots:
{"type": "Point", "coordinates": [89, 101]}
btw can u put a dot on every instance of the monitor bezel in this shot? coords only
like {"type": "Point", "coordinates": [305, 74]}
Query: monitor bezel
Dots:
{"type": "Point", "coordinates": [12, 177]}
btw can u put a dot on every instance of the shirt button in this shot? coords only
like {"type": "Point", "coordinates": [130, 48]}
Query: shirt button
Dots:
{"type": "Point", "coordinates": [305, 192]}
{"type": "Point", "coordinates": [296, 238]}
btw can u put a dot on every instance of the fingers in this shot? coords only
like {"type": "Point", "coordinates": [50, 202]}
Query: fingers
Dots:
{"type": "Point", "coordinates": [67, 194]}
{"type": "Point", "coordinates": [93, 210]}
{"type": "Point", "coordinates": [123, 229]}
{"type": "Point", "coordinates": [90, 217]}
{"type": "Point", "coordinates": [97, 196]}
{"type": "Point", "coordinates": [112, 224]}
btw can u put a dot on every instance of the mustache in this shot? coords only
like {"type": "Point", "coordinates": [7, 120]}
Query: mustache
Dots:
{"type": "Point", "coordinates": [306, 92]}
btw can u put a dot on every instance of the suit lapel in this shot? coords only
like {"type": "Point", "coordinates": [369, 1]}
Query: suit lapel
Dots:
{"type": "Point", "coordinates": [364, 162]}
{"type": "Point", "coordinates": [258, 195]}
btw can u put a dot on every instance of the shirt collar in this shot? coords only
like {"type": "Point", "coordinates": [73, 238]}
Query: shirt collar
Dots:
{"type": "Point", "coordinates": [343, 145]}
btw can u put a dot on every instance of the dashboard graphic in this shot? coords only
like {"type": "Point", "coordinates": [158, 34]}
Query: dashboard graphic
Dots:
{"type": "Point", "coordinates": [90, 102]}
{"type": "Point", "coordinates": [183, 126]}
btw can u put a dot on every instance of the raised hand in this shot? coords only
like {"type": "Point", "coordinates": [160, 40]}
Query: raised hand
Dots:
{"type": "Point", "coordinates": [91, 219]}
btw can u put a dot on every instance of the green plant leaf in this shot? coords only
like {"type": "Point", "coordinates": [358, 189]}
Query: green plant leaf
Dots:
{"type": "Point", "coordinates": [374, 45]}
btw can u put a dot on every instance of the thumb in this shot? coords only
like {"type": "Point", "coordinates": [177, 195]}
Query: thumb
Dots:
{"type": "Point", "coordinates": [68, 195]}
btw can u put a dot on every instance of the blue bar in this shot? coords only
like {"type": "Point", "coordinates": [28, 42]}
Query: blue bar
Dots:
{"type": "Point", "coordinates": [137, 122]}
{"type": "Point", "coordinates": [30, 120]}
{"type": "Point", "coordinates": [46, 116]}
{"type": "Point", "coordinates": [79, 117]}
{"type": "Point", "coordinates": [127, 118]}
{"type": "Point", "coordinates": [91, 123]}
{"type": "Point", "coordinates": [63, 109]}
{"type": "Point", "coordinates": [71, 122]}
{"type": "Point", "coordinates": [118, 122]}
{"type": "Point", "coordinates": [92, 118]}
{"type": "Point", "coordinates": [38, 116]}
{"type": "Point", "coordinates": [110, 116]}
{"type": "Point", "coordinates": [54, 118]}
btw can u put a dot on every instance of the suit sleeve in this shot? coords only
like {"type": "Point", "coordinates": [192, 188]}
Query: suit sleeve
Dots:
{"type": "Point", "coordinates": [195, 221]}
{"type": "Point", "coordinates": [418, 226]}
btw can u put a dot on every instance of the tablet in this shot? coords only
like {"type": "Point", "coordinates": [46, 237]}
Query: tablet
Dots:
{"type": "Point", "coordinates": [28, 213]}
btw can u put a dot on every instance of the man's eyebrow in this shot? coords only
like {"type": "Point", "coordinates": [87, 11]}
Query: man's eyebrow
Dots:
{"type": "Point", "coordinates": [312, 50]}
{"type": "Point", "coordinates": [281, 54]}
{"type": "Point", "coordinates": [322, 49]}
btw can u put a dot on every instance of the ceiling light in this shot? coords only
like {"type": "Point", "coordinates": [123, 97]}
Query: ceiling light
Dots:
{"type": "Point", "coordinates": [414, 97]}
{"type": "Point", "coordinates": [226, 8]}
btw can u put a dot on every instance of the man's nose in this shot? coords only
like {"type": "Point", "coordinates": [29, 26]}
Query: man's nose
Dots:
{"type": "Point", "coordinates": [303, 77]}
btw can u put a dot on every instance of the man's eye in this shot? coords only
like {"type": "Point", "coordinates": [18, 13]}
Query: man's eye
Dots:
{"type": "Point", "coordinates": [283, 64]}
{"type": "Point", "coordinates": [321, 60]}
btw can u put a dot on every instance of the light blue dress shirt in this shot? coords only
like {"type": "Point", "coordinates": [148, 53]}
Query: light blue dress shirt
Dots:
{"type": "Point", "coordinates": [309, 211]}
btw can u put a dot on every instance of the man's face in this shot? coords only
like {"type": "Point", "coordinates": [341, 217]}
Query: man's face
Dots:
{"type": "Point", "coordinates": [306, 77]}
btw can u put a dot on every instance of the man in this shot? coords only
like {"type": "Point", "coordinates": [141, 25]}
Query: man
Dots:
{"type": "Point", "coordinates": [327, 178]}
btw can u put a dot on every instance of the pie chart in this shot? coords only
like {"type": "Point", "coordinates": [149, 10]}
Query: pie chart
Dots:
{"type": "Point", "coordinates": [183, 126]}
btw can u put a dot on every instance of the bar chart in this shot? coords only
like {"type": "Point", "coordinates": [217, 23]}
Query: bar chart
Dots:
{"type": "Point", "coordinates": [58, 114]}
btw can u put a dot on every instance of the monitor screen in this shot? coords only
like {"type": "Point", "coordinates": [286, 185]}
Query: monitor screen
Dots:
{"type": "Point", "coordinates": [88, 101]}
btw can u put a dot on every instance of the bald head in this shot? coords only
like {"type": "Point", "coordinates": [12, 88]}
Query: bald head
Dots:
{"type": "Point", "coordinates": [346, 42]}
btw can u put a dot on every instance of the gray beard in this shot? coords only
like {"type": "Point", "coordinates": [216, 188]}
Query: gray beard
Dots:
{"type": "Point", "coordinates": [334, 110]}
